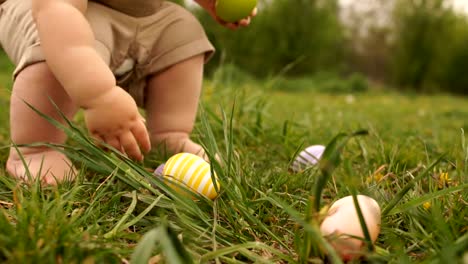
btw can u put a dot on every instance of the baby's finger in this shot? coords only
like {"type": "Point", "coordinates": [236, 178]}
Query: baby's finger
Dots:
{"type": "Point", "coordinates": [114, 142]}
{"type": "Point", "coordinates": [130, 146]}
{"type": "Point", "coordinates": [142, 119]}
{"type": "Point", "coordinates": [254, 12]}
{"type": "Point", "coordinates": [98, 140]}
{"type": "Point", "coordinates": [141, 135]}
{"type": "Point", "coordinates": [232, 26]}
{"type": "Point", "coordinates": [245, 22]}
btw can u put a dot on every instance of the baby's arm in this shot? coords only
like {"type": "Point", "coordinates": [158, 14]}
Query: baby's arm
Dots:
{"type": "Point", "coordinates": [67, 41]}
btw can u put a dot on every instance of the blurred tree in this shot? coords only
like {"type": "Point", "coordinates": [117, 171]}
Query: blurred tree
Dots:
{"type": "Point", "coordinates": [415, 44]}
{"type": "Point", "coordinates": [423, 47]}
{"type": "Point", "coordinates": [422, 44]}
{"type": "Point", "coordinates": [296, 37]}
{"type": "Point", "coordinates": [368, 37]}
{"type": "Point", "coordinates": [455, 73]}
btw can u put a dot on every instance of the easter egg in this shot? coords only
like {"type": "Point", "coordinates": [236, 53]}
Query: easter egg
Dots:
{"type": "Point", "coordinates": [234, 10]}
{"type": "Point", "coordinates": [159, 170]}
{"type": "Point", "coordinates": [341, 225]}
{"type": "Point", "coordinates": [308, 157]}
{"type": "Point", "coordinates": [192, 172]}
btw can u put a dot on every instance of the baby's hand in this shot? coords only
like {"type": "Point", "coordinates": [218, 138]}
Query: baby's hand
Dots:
{"type": "Point", "coordinates": [210, 7]}
{"type": "Point", "coordinates": [241, 23]}
{"type": "Point", "coordinates": [114, 119]}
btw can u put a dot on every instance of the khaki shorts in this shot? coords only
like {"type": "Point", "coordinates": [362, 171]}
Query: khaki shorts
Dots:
{"type": "Point", "coordinates": [133, 47]}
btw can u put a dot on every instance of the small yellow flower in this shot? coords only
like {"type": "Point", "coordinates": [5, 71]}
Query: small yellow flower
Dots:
{"type": "Point", "coordinates": [427, 205]}
{"type": "Point", "coordinates": [208, 90]}
{"type": "Point", "coordinates": [378, 177]}
{"type": "Point", "coordinates": [444, 180]}
{"type": "Point", "coordinates": [444, 176]}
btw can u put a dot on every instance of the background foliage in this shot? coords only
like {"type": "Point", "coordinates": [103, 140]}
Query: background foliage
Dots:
{"type": "Point", "coordinates": [423, 47]}
{"type": "Point", "coordinates": [296, 36]}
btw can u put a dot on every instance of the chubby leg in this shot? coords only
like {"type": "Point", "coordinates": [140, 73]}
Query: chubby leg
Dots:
{"type": "Point", "coordinates": [171, 106]}
{"type": "Point", "coordinates": [37, 86]}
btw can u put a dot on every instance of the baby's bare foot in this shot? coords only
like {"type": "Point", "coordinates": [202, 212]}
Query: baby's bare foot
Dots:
{"type": "Point", "coordinates": [51, 166]}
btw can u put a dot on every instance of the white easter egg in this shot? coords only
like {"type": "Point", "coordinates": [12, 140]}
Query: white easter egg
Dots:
{"type": "Point", "coordinates": [308, 157]}
{"type": "Point", "coordinates": [191, 171]}
{"type": "Point", "coordinates": [342, 225]}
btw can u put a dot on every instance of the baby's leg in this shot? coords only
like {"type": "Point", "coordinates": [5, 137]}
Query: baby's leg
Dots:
{"type": "Point", "coordinates": [171, 106]}
{"type": "Point", "coordinates": [37, 86]}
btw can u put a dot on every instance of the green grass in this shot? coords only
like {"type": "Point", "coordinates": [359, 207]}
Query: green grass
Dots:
{"type": "Point", "coordinates": [264, 214]}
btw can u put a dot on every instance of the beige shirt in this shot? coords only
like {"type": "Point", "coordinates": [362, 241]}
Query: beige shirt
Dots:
{"type": "Point", "coordinates": [136, 8]}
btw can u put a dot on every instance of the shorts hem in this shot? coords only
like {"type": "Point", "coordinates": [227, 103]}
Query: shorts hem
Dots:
{"type": "Point", "coordinates": [181, 53]}
{"type": "Point", "coordinates": [34, 54]}
{"type": "Point", "coordinates": [31, 56]}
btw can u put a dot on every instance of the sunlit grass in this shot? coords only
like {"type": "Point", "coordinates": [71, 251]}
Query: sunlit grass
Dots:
{"type": "Point", "coordinates": [413, 161]}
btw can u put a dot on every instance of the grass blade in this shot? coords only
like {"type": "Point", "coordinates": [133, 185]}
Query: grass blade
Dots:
{"type": "Point", "coordinates": [427, 197]}
{"type": "Point", "coordinates": [122, 220]}
{"type": "Point", "coordinates": [329, 161]}
{"type": "Point", "coordinates": [408, 187]}
{"type": "Point", "coordinates": [145, 247]}
{"type": "Point", "coordinates": [172, 248]}
{"type": "Point", "coordinates": [362, 221]}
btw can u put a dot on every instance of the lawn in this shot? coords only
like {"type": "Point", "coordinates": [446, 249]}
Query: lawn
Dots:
{"type": "Point", "coordinates": [413, 160]}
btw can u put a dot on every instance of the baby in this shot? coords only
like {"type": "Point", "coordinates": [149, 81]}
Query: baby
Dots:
{"type": "Point", "coordinates": [107, 57]}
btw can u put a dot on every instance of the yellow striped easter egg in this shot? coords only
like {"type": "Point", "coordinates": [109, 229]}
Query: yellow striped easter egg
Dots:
{"type": "Point", "coordinates": [193, 172]}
